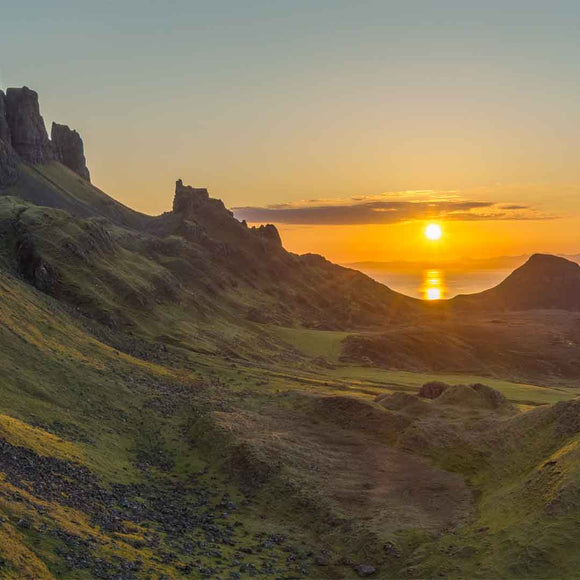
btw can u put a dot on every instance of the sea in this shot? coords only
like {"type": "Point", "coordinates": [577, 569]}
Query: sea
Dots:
{"type": "Point", "coordinates": [437, 283]}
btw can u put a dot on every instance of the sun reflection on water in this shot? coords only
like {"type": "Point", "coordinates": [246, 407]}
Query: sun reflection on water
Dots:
{"type": "Point", "coordinates": [433, 285]}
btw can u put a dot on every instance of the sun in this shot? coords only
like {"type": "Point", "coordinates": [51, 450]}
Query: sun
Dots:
{"type": "Point", "coordinates": [433, 232]}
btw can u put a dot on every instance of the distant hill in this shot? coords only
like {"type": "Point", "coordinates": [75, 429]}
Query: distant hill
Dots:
{"type": "Point", "coordinates": [543, 282]}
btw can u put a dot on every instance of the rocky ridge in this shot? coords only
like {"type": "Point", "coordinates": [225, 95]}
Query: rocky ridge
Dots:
{"type": "Point", "coordinates": [23, 137]}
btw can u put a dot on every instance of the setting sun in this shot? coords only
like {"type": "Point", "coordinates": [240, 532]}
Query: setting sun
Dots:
{"type": "Point", "coordinates": [433, 232]}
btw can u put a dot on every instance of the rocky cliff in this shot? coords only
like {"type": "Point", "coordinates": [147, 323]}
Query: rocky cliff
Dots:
{"type": "Point", "coordinates": [27, 131]}
{"type": "Point", "coordinates": [69, 149]}
{"type": "Point", "coordinates": [23, 137]}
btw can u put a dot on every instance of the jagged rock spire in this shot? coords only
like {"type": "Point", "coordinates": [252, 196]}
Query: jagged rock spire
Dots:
{"type": "Point", "coordinates": [23, 137]}
{"type": "Point", "coordinates": [27, 131]}
{"type": "Point", "coordinates": [69, 149]}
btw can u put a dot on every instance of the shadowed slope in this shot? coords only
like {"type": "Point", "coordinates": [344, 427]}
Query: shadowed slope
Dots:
{"type": "Point", "coordinates": [543, 282]}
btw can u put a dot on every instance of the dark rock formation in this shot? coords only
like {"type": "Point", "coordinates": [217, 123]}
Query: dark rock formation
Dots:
{"type": "Point", "coordinates": [187, 198]}
{"type": "Point", "coordinates": [269, 232]}
{"type": "Point", "coordinates": [28, 133]}
{"type": "Point", "coordinates": [69, 150]}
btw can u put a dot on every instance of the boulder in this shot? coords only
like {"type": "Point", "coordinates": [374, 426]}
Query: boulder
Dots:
{"type": "Point", "coordinates": [69, 150]}
{"type": "Point", "coordinates": [364, 570]}
{"type": "Point", "coordinates": [28, 133]}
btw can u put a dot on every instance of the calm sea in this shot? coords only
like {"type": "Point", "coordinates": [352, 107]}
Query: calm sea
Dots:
{"type": "Point", "coordinates": [435, 284]}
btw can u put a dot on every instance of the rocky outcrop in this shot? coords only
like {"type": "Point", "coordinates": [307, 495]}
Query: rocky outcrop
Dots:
{"type": "Point", "coordinates": [187, 198]}
{"type": "Point", "coordinates": [27, 131]}
{"type": "Point", "coordinates": [23, 137]}
{"type": "Point", "coordinates": [69, 150]}
{"type": "Point", "coordinates": [269, 232]}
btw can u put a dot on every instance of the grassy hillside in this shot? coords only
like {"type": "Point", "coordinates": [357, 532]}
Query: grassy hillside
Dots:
{"type": "Point", "coordinates": [54, 185]}
{"type": "Point", "coordinates": [112, 463]}
{"type": "Point", "coordinates": [174, 404]}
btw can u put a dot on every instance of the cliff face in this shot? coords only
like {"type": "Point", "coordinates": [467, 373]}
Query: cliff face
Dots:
{"type": "Point", "coordinates": [23, 137]}
{"type": "Point", "coordinates": [195, 206]}
{"type": "Point", "coordinates": [69, 149]}
{"type": "Point", "coordinates": [27, 131]}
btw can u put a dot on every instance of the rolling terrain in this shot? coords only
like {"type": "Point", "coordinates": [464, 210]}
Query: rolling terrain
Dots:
{"type": "Point", "coordinates": [182, 397]}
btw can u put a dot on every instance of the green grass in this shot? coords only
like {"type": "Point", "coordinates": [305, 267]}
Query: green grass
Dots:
{"type": "Point", "coordinates": [324, 343]}
{"type": "Point", "coordinates": [403, 380]}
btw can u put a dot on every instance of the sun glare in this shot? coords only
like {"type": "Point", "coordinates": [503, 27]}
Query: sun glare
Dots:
{"type": "Point", "coordinates": [433, 232]}
{"type": "Point", "coordinates": [433, 293]}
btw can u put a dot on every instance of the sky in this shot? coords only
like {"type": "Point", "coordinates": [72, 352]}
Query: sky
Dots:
{"type": "Point", "coordinates": [348, 124]}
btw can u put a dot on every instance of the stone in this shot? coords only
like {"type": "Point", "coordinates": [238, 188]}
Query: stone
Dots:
{"type": "Point", "coordinates": [27, 130]}
{"type": "Point", "coordinates": [364, 570]}
{"type": "Point", "coordinates": [69, 149]}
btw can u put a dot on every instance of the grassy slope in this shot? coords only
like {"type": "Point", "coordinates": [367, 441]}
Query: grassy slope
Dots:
{"type": "Point", "coordinates": [69, 396]}
{"type": "Point", "coordinates": [201, 418]}
{"type": "Point", "coordinates": [54, 185]}
{"type": "Point", "coordinates": [328, 344]}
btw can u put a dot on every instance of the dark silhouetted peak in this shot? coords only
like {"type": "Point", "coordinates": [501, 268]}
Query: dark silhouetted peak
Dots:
{"type": "Point", "coordinates": [269, 232]}
{"type": "Point", "coordinates": [543, 282]}
{"type": "Point", "coordinates": [551, 274]}
{"type": "Point", "coordinates": [547, 264]}
{"type": "Point", "coordinates": [69, 150]}
{"type": "Point", "coordinates": [27, 131]}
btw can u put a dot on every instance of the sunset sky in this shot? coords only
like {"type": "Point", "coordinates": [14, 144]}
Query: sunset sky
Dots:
{"type": "Point", "coordinates": [348, 124]}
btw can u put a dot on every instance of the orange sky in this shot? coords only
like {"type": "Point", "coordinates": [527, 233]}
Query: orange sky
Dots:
{"type": "Point", "coordinates": [406, 242]}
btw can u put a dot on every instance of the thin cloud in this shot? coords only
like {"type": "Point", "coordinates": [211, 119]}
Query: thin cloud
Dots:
{"type": "Point", "coordinates": [370, 210]}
